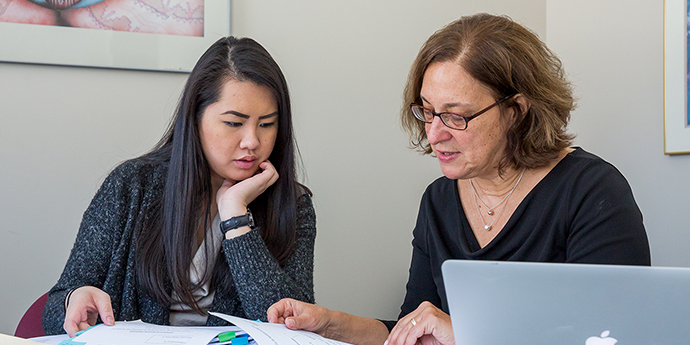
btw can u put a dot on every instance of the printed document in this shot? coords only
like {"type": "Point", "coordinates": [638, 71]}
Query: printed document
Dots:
{"type": "Point", "coordinates": [140, 333]}
{"type": "Point", "coordinates": [276, 334]}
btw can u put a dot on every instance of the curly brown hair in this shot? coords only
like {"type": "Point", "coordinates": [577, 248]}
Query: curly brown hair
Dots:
{"type": "Point", "coordinates": [507, 58]}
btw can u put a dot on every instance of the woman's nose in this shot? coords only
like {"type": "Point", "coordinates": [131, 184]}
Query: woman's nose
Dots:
{"type": "Point", "coordinates": [250, 139]}
{"type": "Point", "coordinates": [436, 131]}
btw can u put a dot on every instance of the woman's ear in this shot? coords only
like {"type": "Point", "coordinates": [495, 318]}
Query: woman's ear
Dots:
{"type": "Point", "coordinates": [523, 103]}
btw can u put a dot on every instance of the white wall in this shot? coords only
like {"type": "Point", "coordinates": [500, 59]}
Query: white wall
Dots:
{"type": "Point", "coordinates": [613, 53]}
{"type": "Point", "coordinates": [63, 128]}
{"type": "Point", "coordinates": [346, 63]}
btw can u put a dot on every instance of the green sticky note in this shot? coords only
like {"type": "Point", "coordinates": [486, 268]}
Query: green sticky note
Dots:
{"type": "Point", "coordinates": [227, 336]}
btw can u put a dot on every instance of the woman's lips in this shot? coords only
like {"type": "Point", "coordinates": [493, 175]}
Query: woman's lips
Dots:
{"type": "Point", "coordinates": [246, 162]}
{"type": "Point", "coordinates": [447, 156]}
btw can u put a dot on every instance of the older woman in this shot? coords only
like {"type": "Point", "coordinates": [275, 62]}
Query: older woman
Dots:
{"type": "Point", "coordinates": [490, 101]}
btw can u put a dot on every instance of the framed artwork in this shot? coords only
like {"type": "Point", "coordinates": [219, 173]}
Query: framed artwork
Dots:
{"type": "Point", "coordinates": [131, 34]}
{"type": "Point", "coordinates": [676, 90]}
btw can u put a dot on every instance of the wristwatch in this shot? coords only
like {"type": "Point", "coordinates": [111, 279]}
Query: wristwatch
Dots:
{"type": "Point", "coordinates": [237, 222]}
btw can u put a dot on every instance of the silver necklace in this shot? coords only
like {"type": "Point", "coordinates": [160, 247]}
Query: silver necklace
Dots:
{"type": "Point", "coordinates": [503, 202]}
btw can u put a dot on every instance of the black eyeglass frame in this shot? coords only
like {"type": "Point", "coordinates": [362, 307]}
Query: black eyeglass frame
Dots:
{"type": "Point", "coordinates": [443, 115]}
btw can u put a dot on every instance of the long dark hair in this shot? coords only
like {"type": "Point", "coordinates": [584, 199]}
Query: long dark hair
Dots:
{"type": "Point", "coordinates": [164, 245]}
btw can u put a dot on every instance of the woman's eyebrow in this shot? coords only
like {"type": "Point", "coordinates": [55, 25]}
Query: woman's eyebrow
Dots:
{"type": "Point", "coordinates": [245, 116]}
{"type": "Point", "coordinates": [236, 113]}
{"type": "Point", "coordinates": [269, 115]}
{"type": "Point", "coordinates": [446, 105]}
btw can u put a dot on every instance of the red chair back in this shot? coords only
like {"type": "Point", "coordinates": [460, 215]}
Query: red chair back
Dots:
{"type": "Point", "coordinates": [31, 325]}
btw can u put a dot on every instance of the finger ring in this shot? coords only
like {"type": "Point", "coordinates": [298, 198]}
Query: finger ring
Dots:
{"type": "Point", "coordinates": [414, 323]}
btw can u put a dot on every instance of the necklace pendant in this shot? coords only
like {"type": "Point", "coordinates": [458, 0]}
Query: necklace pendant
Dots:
{"type": "Point", "coordinates": [487, 227]}
{"type": "Point", "coordinates": [490, 212]}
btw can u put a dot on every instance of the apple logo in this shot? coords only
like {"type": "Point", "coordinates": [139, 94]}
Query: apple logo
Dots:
{"type": "Point", "coordinates": [603, 340]}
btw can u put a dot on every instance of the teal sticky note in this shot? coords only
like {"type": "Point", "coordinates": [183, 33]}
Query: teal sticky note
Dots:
{"type": "Point", "coordinates": [70, 342]}
{"type": "Point", "coordinates": [82, 331]}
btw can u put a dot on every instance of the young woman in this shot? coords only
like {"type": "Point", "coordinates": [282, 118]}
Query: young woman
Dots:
{"type": "Point", "coordinates": [212, 219]}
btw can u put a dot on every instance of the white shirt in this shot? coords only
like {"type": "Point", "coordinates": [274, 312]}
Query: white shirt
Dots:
{"type": "Point", "coordinates": [181, 314]}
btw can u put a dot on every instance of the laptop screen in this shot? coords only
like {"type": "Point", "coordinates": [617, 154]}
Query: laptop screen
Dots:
{"type": "Point", "coordinates": [546, 303]}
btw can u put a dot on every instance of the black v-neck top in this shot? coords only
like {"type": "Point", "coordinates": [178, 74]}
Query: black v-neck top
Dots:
{"type": "Point", "coordinates": [582, 211]}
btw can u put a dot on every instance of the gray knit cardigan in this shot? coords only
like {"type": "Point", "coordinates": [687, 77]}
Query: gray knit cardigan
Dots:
{"type": "Point", "coordinates": [103, 256]}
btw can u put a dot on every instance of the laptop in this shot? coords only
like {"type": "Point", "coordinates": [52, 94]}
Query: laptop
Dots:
{"type": "Point", "coordinates": [495, 303]}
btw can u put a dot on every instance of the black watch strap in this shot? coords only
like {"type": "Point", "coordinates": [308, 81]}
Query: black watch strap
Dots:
{"type": "Point", "coordinates": [237, 222]}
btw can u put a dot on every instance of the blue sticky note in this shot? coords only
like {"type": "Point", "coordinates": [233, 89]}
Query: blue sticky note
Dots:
{"type": "Point", "coordinates": [240, 341]}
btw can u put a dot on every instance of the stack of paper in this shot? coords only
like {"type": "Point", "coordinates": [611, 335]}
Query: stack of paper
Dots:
{"type": "Point", "coordinates": [246, 332]}
{"type": "Point", "coordinates": [277, 334]}
{"type": "Point", "coordinates": [140, 333]}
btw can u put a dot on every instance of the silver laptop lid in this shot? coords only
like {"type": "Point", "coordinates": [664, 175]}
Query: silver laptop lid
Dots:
{"type": "Point", "coordinates": [493, 303]}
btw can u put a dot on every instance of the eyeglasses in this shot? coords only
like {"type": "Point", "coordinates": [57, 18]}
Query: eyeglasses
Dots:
{"type": "Point", "coordinates": [451, 120]}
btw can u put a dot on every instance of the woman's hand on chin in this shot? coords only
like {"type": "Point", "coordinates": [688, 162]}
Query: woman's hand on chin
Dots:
{"type": "Point", "coordinates": [233, 197]}
{"type": "Point", "coordinates": [426, 325]}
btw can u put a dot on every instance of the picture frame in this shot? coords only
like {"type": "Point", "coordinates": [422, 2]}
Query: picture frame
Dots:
{"type": "Point", "coordinates": [676, 115]}
{"type": "Point", "coordinates": [59, 45]}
